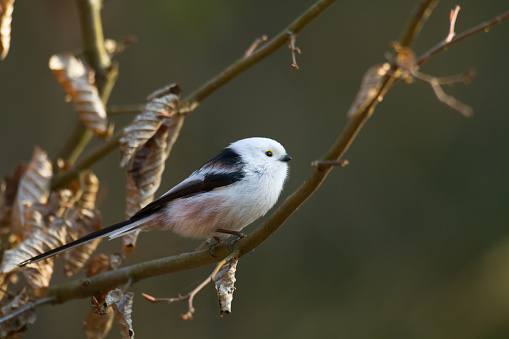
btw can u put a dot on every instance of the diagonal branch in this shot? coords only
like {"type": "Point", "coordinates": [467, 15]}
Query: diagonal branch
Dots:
{"type": "Point", "coordinates": [209, 87]}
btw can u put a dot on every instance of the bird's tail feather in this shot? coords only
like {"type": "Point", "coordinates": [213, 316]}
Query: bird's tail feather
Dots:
{"type": "Point", "coordinates": [113, 231]}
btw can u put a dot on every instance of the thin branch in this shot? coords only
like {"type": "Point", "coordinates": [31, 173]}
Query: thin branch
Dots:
{"type": "Point", "coordinates": [443, 45]}
{"type": "Point", "coordinates": [208, 88]}
{"type": "Point", "coordinates": [122, 109]}
{"type": "Point", "coordinates": [452, 23]}
{"type": "Point", "coordinates": [295, 50]}
{"type": "Point", "coordinates": [255, 45]}
{"type": "Point", "coordinates": [106, 73]}
{"type": "Point", "coordinates": [190, 296]}
{"type": "Point", "coordinates": [27, 307]}
{"type": "Point", "coordinates": [270, 47]}
{"type": "Point", "coordinates": [419, 17]}
{"type": "Point", "coordinates": [62, 179]}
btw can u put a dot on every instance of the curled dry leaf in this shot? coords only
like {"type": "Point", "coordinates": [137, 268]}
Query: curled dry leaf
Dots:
{"type": "Point", "coordinates": [6, 9]}
{"type": "Point", "coordinates": [370, 86]}
{"type": "Point", "coordinates": [39, 215]}
{"type": "Point", "coordinates": [8, 190]}
{"type": "Point", "coordinates": [162, 103]}
{"type": "Point", "coordinates": [97, 326]}
{"type": "Point", "coordinates": [225, 281]}
{"type": "Point", "coordinates": [77, 79]}
{"type": "Point", "coordinates": [122, 304]}
{"type": "Point", "coordinates": [84, 219]}
{"type": "Point", "coordinates": [33, 187]}
{"type": "Point", "coordinates": [144, 178]}
{"type": "Point", "coordinates": [39, 274]}
{"type": "Point", "coordinates": [144, 175]}
{"type": "Point", "coordinates": [16, 326]}
{"type": "Point", "coordinates": [81, 224]}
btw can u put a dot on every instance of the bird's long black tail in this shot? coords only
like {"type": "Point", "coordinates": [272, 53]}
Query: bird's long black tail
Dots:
{"type": "Point", "coordinates": [89, 237]}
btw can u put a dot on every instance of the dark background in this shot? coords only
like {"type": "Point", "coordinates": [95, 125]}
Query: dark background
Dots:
{"type": "Point", "coordinates": [408, 241]}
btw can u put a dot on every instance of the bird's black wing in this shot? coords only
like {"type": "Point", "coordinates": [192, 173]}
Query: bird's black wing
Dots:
{"type": "Point", "coordinates": [208, 183]}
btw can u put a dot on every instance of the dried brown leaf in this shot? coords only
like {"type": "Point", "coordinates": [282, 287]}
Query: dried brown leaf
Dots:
{"type": "Point", "coordinates": [38, 274]}
{"type": "Point", "coordinates": [84, 219]}
{"type": "Point", "coordinates": [225, 281]}
{"type": "Point", "coordinates": [77, 79]}
{"type": "Point", "coordinates": [6, 9]}
{"type": "Point", "coordinates": [144, 178]}
{"type": "Point", "coordinates": [89, 188]}
{"type": "Point", "coordinates": [370, 86]}
{"type": "Point", "coordinates": [15, 327]}
{"type": "Point", "coordinates": [144, 175]}
{"type": "Point", "coordinates": [33, 187]}
{"type": "Point", "coordinates": [97, 326]}
{"type": "Point", "coordinates": [81, 224]}
{"type": "Point", "coordinates": [8, 191]}
{"type": "Point", "coordinates": [162, 103]}
{"type": "Point", "coordinates": [122, 304]}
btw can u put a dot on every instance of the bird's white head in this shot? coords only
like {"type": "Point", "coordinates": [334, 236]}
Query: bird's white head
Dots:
{"type": "Point", "coordinates": [262, 154]}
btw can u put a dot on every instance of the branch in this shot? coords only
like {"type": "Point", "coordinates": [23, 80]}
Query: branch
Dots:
{"type": "Point", "coordinates": [443, 45]}
{"type": "Point", "coordinates": [270, 47]}
{"type": "Point", "coordinates": [105, 72]}
{"type": "Point", "coordinates": [419, 17]}
{"type": "Point", "coordinates": [27, 307]}
{"type": "Point", "coordinates": [194, 99]}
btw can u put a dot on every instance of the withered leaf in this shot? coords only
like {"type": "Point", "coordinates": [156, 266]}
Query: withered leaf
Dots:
{"type": "Point", "coordinates": [81, 224]}
{"type": "Point", "coordinates": [77, 79]}
{"type": "Point", "coordinates": [162, 103]}
{"type": "Point", "coordinates": [89, 186]}
{"type": "Point", "coordinates": [8, 191]}
{"type": "Point", "coordinates": [224, 282]}
{"type": "Point", "coordinates": [147, 167]}
{"type": "Point", "coordinates": [122, 304]}
{"type": "Point", "coordinates": [84, 219]}
{"type": "Point", "coordinates": [97, 326]}
{"type": "Point", "coordinates": [144, 178]}
{"type": "Point", "coordinates": [6, 9]}
{"type": "Point", "coordinates": [39, 215]}
{"type": "Point", "coordinates": [370, 86]}
{"type": "Point", "coordinates": [33, 187]}
{"type": "Point", "coordinates": [17, 325]}
{"type": "Point", "coordinates": [38, 274]}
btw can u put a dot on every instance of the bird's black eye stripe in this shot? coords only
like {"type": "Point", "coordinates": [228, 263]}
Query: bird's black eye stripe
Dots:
{"type": "Point", "coordinates": [269, 153]}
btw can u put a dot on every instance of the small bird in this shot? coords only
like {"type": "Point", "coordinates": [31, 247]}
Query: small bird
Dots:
{"type": "Point", "coordinates": [229, 192]}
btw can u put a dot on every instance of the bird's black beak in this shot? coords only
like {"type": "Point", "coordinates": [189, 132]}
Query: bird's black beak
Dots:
{"type": "Point", "coordinates": [286, 158]}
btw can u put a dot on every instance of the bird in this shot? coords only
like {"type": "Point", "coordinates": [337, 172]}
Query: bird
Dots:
{"type": "Point", "coordinates": [230, 191]}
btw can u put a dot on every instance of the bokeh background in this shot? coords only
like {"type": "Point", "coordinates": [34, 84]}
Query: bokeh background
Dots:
{"type": "Point", "coordinates": [411, 240]}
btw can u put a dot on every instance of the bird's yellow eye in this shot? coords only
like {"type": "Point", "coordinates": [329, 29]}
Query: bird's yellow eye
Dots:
{"type": "Point", "coordinates": [268, 153]}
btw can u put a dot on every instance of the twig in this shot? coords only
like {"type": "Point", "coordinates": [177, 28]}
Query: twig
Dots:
{"type": "Point", "coordinates": [322, 164]}
{"type": "Point", "coordinates": [193, 100]}
{"type": "Point", "coordinates": [436, 82]}
{"type": "Point", "coordinates": [452, 22]}
{"type": "Point", "coordinates": [106, 73]}
{"type": "Point", "coordinates": [294, 49]}
{"type": "Point", "coordinates": [484, 27]}
{"type": "Point", "coordinates": [255, 45]}
{"type": "Point", "coordinates": [189, 297]}
{"type": "Point", "coordinates": [27, 307]}
{"type": "Point", "coordinates": [121, 109]}
{"type": "Point", "coordinates": [419, 17]}
{"type": "Point", "coordinates": [270, 47]}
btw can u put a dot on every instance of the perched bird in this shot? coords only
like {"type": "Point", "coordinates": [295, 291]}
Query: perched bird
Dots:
{"type": "Point", "coordinates": [226, 194]}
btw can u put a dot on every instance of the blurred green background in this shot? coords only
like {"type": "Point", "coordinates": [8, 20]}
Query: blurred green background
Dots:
{"type": "Point", "coordinates": [411, 240]}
